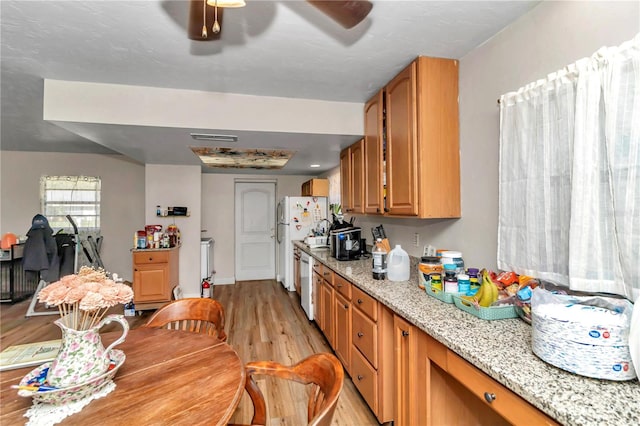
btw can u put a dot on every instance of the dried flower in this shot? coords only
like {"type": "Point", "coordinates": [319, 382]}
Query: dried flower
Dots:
{"type": "Point", "coordinates": [91, 291]}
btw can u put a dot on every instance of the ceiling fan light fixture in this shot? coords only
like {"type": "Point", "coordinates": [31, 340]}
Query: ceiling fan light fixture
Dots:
{"type": "Point", "coordinates": [226, 3]}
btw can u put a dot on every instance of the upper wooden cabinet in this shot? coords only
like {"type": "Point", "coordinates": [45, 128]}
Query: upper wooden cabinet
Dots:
{"type": "Point", "coordinates": [413, 122]}
{"type": "Point", "coordinates": [352, 178]}
{"type": "Point", "coordinates": [373, 154]}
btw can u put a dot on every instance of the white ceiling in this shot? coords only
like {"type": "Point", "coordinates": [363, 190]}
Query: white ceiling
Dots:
{"type": "Point", "coordinates": [268, 48]}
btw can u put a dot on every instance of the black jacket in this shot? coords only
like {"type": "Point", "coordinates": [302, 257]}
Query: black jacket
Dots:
{"type": "Point", "coordinates": [41, 251]}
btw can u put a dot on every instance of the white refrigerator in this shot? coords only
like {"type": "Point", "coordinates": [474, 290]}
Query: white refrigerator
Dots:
{"type": "Point", "coordinates": [297, 218]}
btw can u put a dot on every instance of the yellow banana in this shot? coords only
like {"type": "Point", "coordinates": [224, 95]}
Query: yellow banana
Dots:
{"type": "Point", "coordinates": [489, 291]}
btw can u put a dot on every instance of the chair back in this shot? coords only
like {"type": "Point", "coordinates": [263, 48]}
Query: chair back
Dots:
{"type": "Point", "coordinates": [197, 315]}
{"type": "Point", "coordinates": [323, 371]}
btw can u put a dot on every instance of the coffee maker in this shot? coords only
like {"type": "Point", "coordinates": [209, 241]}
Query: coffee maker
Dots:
{"type": "Point", "coordinates": [345, 243]}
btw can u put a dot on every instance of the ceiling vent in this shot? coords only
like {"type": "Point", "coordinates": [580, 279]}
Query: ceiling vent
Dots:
{"type": "Point", "coordinates": [213, 137]}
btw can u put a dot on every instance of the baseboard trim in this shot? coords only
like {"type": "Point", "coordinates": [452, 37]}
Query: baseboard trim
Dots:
{"type": "Point", "coordinates": [224, 281]}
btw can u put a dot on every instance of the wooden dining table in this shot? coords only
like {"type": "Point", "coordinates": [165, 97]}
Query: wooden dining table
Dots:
{"type": "Point", "coordinates": [168, 378]}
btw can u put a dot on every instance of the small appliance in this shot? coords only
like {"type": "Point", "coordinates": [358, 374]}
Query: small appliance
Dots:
{"type": "Point", "coordinates": [345, 243]}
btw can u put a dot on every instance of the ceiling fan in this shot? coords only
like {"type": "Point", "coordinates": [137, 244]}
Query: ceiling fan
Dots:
{"type": "Point", "coordinates": [205, 16]}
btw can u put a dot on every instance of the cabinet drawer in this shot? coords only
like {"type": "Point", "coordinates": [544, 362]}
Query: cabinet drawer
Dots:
{"type": "Point", "coordinates": [318, 267]}
{"type": "Point", "coordinates": [364, 336]}
{"type": "Point", "coordinates": [151, 257]}
{"type": "Point", "coordinates": [365, 303]}
{"type": "Point", "coordinates": [343, 286]}
{"type": "Point", "coordinates": [365, 377]}
{"type": "Point", "coordinates": [509, 405]}
{"type": "Point", "coordinates": [328, 274]}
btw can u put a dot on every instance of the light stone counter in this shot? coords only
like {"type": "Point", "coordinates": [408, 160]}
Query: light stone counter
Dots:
{"type": "Point", "coordinates": [500, 348]}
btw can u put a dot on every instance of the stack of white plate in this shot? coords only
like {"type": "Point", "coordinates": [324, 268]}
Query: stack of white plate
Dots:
{"type": "Point", "coordinates": [589, 340]}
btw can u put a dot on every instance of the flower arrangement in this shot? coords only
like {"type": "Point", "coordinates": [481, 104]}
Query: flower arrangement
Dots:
{"type": "Point", "coordinates": [84, 298]}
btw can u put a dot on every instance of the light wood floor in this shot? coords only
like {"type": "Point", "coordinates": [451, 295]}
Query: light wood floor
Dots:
{"type": "Point", "coordinates": [263, 322]}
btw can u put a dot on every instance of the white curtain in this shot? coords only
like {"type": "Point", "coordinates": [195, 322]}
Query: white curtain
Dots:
{"type": "Point", "coordinates": [569, 208]}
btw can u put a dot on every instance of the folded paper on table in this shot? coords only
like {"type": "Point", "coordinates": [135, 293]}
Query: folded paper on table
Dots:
{"type": "Point", "coordinates": [29, 354]}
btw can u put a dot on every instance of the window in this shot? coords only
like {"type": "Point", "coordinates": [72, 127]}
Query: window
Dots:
{"type": "Point", "coordinates": [78, 196]}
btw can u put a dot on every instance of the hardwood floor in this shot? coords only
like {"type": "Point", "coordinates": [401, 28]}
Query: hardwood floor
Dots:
{"type": "Point", "coordinates": [266, 322]}
{"type": "Point", "coordinates": [263, 322]}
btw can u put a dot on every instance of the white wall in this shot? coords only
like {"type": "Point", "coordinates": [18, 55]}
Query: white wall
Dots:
{"type": "Point", "coordinates": [122, 206]}
{"type": "Point", "coordinates": [218, 215]}
{"type": "Point", "coordinates": [551, 36]}
{"type": "Point", "coordinates": [168, 185]}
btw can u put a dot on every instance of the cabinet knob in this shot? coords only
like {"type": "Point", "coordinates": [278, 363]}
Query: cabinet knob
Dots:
{"type": "Point", "coordinates": [326, 273]}
{"type": "Point", "coordinates": [346, 306]}
{"type": "Point", "coordinates": [378, 210]}
{"type": "Point", "coordinates": [359, 301]}
{"type": "Point", "coordinates": [360, 377]}
{"type": "Point", "coordinates": [386, 210]}
{"type": "Point", "coordinates": [150, 259]}
{"type": "Point", "coordinates": [360, 334]}
{"type": "Point", "coordinates": [405, 333]}
{"type": "Point", "coordinates": [489, 397]}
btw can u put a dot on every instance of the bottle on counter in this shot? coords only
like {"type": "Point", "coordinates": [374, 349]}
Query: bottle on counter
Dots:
{"type": "Point", "coordinates": [450, 283]}
{"type": "Point", "coordinates": [379, 255]}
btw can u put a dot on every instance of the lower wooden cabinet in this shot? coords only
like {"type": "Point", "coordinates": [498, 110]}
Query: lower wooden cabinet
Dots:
{"type": "Point", "coordinates": [342, 309]}
{"type": "Point", "coordinates": [155, 274]}
{"type": "Point", "coordinates": [297, 281]}
{"type": "Point", "coordinates": [435, 386]}
{"type": "Point", "coordinates": [327, 326]}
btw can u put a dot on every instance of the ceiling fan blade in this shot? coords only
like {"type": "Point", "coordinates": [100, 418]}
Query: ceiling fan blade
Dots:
{"type": "Point", "coordinates": [347, 13]}
{"type": "Point", "coordinates": [194, 27]}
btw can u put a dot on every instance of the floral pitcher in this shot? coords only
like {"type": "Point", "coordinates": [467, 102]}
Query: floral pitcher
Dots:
{"type": "Point", "coordinates": [82, 356]}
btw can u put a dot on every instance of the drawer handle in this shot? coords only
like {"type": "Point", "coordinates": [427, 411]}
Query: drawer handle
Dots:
{"type": "Point", "coordinates": [359, 301]}
{"type": "Point", "coordinates": [405, 333]}
{"type": "Point", "coordinates": [378, 210]}
{"type": "Point", "coordinates": [489, 397]}
{"type": "Point", "coordinates": [326, 273]}
{"type": "Point", "coordinates": [339, 285]}
{"type": "Point", "coordinates": [360, 334]}
{"type": "Point", "coordinates": [360, 377]}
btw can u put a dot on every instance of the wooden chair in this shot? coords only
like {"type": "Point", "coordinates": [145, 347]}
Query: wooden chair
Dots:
{"type": "Point", "coordinates": [198, 315]}
{"type": "Point", "coordinates": [324, 371]}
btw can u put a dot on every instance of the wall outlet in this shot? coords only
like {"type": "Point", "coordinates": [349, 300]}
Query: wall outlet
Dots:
{"type": "Point", "coordinates": [416, 240]}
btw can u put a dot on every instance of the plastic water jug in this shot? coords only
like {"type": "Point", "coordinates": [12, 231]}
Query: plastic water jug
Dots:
{"type": "Point", "coordinates": [398, 265]}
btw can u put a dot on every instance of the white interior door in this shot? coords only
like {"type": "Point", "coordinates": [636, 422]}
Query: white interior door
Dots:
{"type": "Point", "coordinates": [255, 230]}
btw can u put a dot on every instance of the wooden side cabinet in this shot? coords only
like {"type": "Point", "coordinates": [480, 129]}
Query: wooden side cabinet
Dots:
{"type": "Point", "coordinates": [435, 386]}
{"type": "Point", "coordinates": [155, 274]}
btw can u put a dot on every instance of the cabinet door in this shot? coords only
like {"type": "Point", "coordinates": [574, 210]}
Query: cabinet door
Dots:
{"type": "Point", "coordinates": [343, 330]}
{"type": "Point", "coordinates": [373, 154]}
{"type": "Point", "coordinates": [296, 273]}
{"type": "Point", "coordinates": [346, 181]}
{"type": "Point", "coordinates": [401, 149]}
{"type": "Point", "coordinates": [406, 400]}
{"type": "Point", "coordinates": [357, 176]}
{"type": "Point", "coordinates": [150, 282]}
{"type": "Point", "coordinates": [327, 313]}
{"type": "Point", "coordinates": [317, 300]}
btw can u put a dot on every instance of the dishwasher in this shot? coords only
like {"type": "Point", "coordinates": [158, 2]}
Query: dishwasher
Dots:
{"type": "Point", "coordinates": [306, 284]}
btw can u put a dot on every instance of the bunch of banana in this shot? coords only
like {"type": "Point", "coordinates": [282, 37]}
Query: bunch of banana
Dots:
{"type": "Point", "coordinates": [487, 293]}
{"type": "Point", "coordinates": [490, 293]}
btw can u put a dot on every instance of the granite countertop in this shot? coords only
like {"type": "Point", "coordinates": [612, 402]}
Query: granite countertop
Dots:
{"type": "Point", "coordinates": [500, 348]}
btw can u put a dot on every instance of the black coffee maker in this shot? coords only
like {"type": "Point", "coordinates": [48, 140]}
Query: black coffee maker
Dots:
{"type": "Point", "coordinates": [345, 243]}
